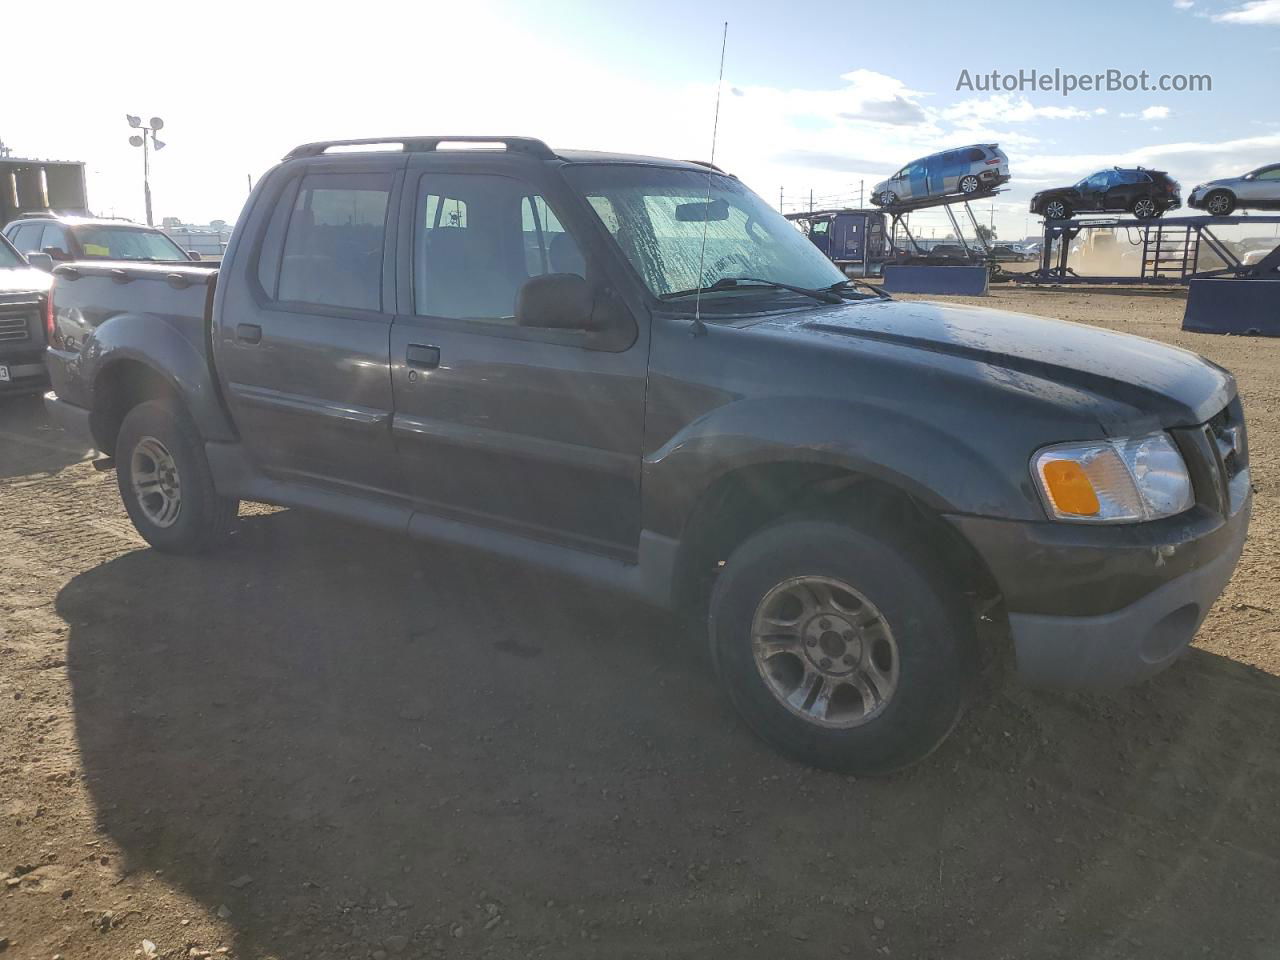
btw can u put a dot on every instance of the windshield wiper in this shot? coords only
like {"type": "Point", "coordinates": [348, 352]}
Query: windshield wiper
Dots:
{"type": "Point", "coordinates": [854, 282]}
{"type": "Point", "coordinates": [731, 283]}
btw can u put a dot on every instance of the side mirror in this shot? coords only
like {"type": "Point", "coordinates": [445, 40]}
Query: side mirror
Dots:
{"type": "Point", "coordinates": [555, 301]}
{"type": "Point", "coordinates": [194, 256]}
{"type": "Point", "coordinates": [41, 261]}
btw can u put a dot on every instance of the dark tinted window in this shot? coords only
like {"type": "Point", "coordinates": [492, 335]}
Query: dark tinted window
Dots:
{"type": "Point", "coordinates": [333, 244]}
{"type": "Point", "coordinates": [478, 239]}
{"type": "Point", "coordinates": [974, 154]}
{"type": "Point", "coordinates": [951, 156]}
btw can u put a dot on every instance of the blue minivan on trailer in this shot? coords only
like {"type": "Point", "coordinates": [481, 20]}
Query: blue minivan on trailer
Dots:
{"type": "Point", "coordinates": [964, 171]}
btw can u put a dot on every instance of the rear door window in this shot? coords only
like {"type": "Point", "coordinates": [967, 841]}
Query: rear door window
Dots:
{"type": "Point", "coordinates": [333, 245]}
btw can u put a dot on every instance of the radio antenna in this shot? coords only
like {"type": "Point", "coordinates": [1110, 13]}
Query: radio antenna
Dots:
{"type": "Point", "coordinates": [700, 328]}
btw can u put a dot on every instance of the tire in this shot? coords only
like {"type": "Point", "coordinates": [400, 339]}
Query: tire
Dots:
{"type": "Point", "coordinates": [887, 198]}
{"type": "Point", "coordinates": [1145, 208]}
{"type": "Point", "coordinates": [165, 481]}
{"type": "Point", "coordinates": [1220, 203]}
{"type": "Point", "coordinates": [1055, 209]}
{"type": "Point", "coordinates": [969, 184]}
{"type": "Point", "coordinates": [913, 658]}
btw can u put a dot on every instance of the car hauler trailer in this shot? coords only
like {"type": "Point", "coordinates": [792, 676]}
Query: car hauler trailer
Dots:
{"type": "Point", "coordinates": [41, 186]}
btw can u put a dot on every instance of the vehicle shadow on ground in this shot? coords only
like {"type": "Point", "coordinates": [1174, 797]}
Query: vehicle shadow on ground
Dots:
{"type": "Point", "coordinates": [29, 444]}
{"type": "Point", "coordinates": [394, 740]}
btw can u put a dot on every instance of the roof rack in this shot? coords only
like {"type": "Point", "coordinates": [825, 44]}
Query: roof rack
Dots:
{"type": "Point", "coordinates": [529, 145]}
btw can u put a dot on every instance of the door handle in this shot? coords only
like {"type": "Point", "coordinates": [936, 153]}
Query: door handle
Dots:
{"type": "Point", "coordinates": [248, 333]}
{"type": "Point", "coordinates": [422, 356]}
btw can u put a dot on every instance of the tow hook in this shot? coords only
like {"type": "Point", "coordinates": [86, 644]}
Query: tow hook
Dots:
{"type": "Point", "coordinates": [103, 464]}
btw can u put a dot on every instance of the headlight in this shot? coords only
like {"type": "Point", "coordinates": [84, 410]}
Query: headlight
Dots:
{"type": "Point", "coordinates": [1113, 481]}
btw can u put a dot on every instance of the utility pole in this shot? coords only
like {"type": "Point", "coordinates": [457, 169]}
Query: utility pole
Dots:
{"type": "Point", "coordinates": [154, 126]}
{"type": "Point", "coordinates": [780, 200]}
{"type": "Point", "coordinates": [811, 199]}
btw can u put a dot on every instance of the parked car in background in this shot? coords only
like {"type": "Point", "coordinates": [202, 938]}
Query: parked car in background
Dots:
{"type": "Point", "coordinates": [635, 371]}
{"type": "Point", "coordinates": [65, 238]}
{"type": "Point", "coordinates": [949, 251]}
{"type": "Point", "coordinates": [966, 171]}
{"type": "Point", "coordinates": [1144, 193]}
{"type": "Point", "coordinates": [1256, 190]}
{"type": "Point", "coordinates": [1010, 253]}
{"type": "Point", "coordinates": [22, 335]}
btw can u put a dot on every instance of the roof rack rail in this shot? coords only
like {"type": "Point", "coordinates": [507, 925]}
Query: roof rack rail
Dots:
{"type": "Point", "coordinates": [529, 145]}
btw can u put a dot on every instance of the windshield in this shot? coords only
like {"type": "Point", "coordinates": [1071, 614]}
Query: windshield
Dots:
{"type": "Point", "coordinates": [126, 243]}
{"type": "Point", "coordinates": [9, 256]}
{"type": "Point", "coordinates": [658, 216]}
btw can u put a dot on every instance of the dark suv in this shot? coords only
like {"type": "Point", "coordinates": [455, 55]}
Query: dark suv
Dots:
{"type": "Point", "coordinates": [66, 238]}
{"type": "Point", "coordinates": [1144, 193]}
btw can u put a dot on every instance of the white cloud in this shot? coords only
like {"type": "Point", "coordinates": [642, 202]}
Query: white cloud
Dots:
{"type": "Point", "coordinates": [1184, 4]}
{"type": "Point", "coordinates": [1151, 113]}
{"type": "Point", "coordinates": [1004, 108]}
{"type": "Point", "coordinates": [1255, 11]}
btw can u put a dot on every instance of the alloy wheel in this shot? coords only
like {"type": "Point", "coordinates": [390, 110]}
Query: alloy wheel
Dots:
{"type": "Point", "coordinates": [156, 485]}
{"type": "Point", "coordinates": [825, 652]}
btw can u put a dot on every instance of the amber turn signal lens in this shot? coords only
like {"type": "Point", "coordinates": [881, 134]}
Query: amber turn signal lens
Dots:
{"type": "Point", "coordinates": [1070, 488]}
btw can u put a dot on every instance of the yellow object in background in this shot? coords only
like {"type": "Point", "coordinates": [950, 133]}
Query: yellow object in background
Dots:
{"type": "Point", "coordinates": [97, 250]}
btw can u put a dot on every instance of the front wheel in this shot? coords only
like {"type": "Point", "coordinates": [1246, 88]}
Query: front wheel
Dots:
{"type": "Point", "coordinates": [888, 198]}
{"type": "Point", "coordinates": [165, 481]}
{"type": "Point", "coordinates": [841, 647]}
{"type": "Point", "coordinates": [1220, 203]}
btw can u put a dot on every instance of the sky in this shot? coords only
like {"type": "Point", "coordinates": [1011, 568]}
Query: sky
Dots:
{"type": "Point", "coordinates": [820, 97]}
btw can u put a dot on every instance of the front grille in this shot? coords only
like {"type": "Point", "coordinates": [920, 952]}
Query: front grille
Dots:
{"type": "Point", "coordinates": [1216, 454]}
{"type": "Point", "coordinates": [1227, 432]}
{"type": "Point", "coordinates": [15, 325]}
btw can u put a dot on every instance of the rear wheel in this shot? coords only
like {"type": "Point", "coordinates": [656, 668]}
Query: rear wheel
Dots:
{"type": "Point", "coordinates": [969, 184]}
{"type": "Point", "coordinates": [1220, 203]}
{"type": "Point", "coordinates": [1057, 210]}
{"type": "Point", "coordinates": [165, 481]}
{"type": "Point", "coordinates": [841, 647]}
{"type": "Point", "coordinates": [1145, 208]}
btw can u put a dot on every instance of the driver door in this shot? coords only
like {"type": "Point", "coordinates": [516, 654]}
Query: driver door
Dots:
{"type": "Point", "coordinates": [534, 431]}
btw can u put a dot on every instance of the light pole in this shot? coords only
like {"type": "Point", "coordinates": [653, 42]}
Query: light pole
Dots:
{"type": "Point", "coordinates": [154, 126]}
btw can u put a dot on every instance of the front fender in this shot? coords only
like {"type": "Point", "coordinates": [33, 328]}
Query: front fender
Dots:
{"type": "Point", "coordinates": [943, 471]}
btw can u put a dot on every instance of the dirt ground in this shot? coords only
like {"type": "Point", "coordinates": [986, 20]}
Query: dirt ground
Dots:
{"type": "Point", "coordinates": [330, 743]}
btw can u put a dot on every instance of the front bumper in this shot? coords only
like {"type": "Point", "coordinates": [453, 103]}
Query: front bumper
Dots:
{"type": "Point", "coordinates": [1099, 607]}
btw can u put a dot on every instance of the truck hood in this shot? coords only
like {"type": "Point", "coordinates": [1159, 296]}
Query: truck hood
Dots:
{"type": "Point", "coordinates": [1177, 387]}
{"type": "Point", "coordinates": [23, 280]}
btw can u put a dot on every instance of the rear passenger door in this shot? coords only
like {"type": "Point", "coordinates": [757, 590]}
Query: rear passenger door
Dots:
{"type": "Point", "coordinates": [533, 431]}
{"type": "Point", "coordinates": [303, 326]}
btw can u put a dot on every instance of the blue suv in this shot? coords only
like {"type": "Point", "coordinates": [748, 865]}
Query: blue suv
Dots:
{"type": "Point", "coordinates": [966, 171]}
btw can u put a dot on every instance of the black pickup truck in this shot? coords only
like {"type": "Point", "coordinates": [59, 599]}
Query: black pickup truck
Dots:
{"type": "Point", "coordinates": [635, 371]}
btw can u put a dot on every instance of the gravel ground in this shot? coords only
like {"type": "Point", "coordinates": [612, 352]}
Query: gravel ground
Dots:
{"type": "Point", "coordinates": [329, 743]}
